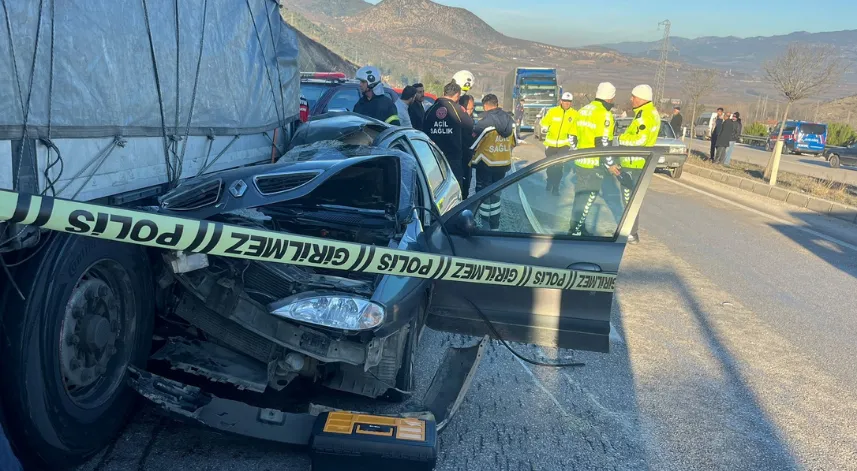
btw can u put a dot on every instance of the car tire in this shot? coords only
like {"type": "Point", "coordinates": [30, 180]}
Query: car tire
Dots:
{"type": "Point", "coordinates": [833, 161]}
{"type": "Point", "coordinates": [405, 377]}
{"type": "Point", "coordinates": [80, 293]}
{"type": "Point", "coordinates": [676, 172]}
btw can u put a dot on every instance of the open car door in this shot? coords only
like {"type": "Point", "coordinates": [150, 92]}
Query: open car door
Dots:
{"type": "Point", "coordinates": [515, 220]}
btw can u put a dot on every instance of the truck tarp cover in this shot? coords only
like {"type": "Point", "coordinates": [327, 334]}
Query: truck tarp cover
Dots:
{"type": "Point", "coordinates": [103, 80]}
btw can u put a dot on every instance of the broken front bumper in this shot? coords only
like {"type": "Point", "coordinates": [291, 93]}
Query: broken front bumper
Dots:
{"type": "Point", "coordinates": [441, 402]}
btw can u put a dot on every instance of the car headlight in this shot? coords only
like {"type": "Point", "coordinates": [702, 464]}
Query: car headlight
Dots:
{"type": "Point", "coordinates": [662, 159]}
{"type": "Point", "coordinates": [336, 311]}
{"type": "Point", "coordinates": [678, 150]}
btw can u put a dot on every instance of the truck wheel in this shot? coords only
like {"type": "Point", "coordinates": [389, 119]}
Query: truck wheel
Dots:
{"type": "Point", "coordinates": [405, 376]}
{"type": "Point", "coordinates": [834, 161]}
{"type": "Point", "coordinates": [675, 172]}
{"type": "Point", "coordinates": [88, 314]}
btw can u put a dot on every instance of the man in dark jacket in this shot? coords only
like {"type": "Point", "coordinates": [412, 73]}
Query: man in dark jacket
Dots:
{"type": "Point", "coordinates": [724, 137]}
{"type": "Point", "coordinates": [445, 123]}
{"type": "Point", "coordinates": [416, 111]}
{"type": "Point", "coordinates": [468, 104]}
{"type": "Point", "coordinates": [718, 124]}
{"type": "Point", "coordinates": [736, 136]}
{"type": "Point", "coordinates": [492, 154]}
{"type": "Point", "coordinates": [373, 102]}
{"type": "Point", "coordinates": [676, 122]}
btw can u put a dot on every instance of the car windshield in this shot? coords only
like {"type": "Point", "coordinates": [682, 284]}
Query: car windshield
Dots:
{"type": "Point", "coordinates": [312, 92]}
{"type": "Point", "coordinates": [703, 121]}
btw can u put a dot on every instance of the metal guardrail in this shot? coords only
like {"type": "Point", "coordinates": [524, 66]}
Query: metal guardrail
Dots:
{"type": "Point", "coordinates": [754, 139]}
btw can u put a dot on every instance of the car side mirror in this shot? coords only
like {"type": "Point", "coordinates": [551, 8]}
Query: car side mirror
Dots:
{"type": "Point", "coordinates": [464, 223]}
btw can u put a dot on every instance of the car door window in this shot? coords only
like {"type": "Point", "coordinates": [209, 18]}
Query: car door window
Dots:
{"type": "Point", "coordinates": [429, 163]}
{"type": "Point", "coordinates": [591, 202]}
{"type": "Point", "coordinates": [343, 99]}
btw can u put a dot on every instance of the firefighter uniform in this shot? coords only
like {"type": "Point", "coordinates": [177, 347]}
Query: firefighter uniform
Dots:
{"type": "Point", "coordinates": [380, 107]}
{"type": "Point", "coordinates": [642, 132]}
{"type": "Point", "coordinates": [593, 128]}
{"type": "Point", "coordinates": [560, 124]}
{"type": "Point", "coordinates": [492, 157]}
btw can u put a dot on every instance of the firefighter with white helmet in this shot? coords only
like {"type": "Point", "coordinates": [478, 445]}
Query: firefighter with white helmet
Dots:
{"type": "Point", "coordinates": [464, 79]}
{"type": "Point", "coordinates": [373, 102]}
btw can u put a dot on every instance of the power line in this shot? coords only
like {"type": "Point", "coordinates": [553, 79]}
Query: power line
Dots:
{"type": "Point", "coordinates": [661, 77]}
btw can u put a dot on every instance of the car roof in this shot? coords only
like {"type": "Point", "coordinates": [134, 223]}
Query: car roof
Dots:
{"type": "Point", "coordinates": [333, 126]}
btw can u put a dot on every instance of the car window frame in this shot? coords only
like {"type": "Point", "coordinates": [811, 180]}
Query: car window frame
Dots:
{"type": "Point", "coordinates": [520, 174]}
{"type": "Point", "coordinates": [435, 192]}
{"type": "Point", "coordinates": [341, 89]}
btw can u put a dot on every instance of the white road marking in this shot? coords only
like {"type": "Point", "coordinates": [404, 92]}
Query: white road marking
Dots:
{"type": "Point", "coordinates": [763, 214]}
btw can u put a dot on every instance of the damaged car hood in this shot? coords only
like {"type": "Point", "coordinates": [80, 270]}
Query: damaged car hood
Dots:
{"type": "Point", "coordinates": [296, 174]}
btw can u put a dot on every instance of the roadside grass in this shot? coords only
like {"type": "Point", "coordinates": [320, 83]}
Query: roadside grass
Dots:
{"type": "Point", "coordinates": [842, 193]}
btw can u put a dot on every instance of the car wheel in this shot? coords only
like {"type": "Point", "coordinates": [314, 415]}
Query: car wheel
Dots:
{"type": "Point", "coordinates": [88, 314]}
{"type": "Point", "coordinates": [834, 161]}
{"type": "Point", "coordinates": [676, 171]}
{"type": "Point", "coordinates": [405, 376]}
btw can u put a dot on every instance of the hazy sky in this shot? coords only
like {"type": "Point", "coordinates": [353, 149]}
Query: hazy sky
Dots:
{"type": "Point", "coordinates": [636, 20]}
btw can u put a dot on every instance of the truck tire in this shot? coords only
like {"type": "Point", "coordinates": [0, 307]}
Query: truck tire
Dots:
{"type": "Point", "coordinates": [88, 313]}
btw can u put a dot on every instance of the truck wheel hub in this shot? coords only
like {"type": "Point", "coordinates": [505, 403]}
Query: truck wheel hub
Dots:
{"type": "Point", "coordinates": [89, 333]}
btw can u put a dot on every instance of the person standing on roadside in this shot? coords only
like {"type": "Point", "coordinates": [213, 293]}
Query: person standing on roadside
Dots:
{"type": "Point", "coordinates": [736, 136]}
{"type": "Point", "coordinates": [445, 124]}
{"type": "Point", "coordinates": [373, 102]}
{"type": "Point", "coordinates": [560, 123]}
{"type": "Point", "coordinates": [642, 132]}
{"type": "Point", "coordinates": [676, 122]}
{"type": "Point", "coordinates": [403, 104]}
{"type": "Point", "coordinates": [416, 110]}
{"type": "Point", "coordinates": [593, 128]}
{"type": "Point", "coordinates": [724, 137]}
{"type": "Point", "coordinates": [519, 117]}
{"type": "Point", "coordinates": [715, 126]}
{"type": "Point", "coordinates": [492, 155]}
{"type": "Point", "coordinates": [468, 104]}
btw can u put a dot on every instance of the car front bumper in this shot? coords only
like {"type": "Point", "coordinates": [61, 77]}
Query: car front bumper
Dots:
{"type": "Point", "coordinates": [672, 160]}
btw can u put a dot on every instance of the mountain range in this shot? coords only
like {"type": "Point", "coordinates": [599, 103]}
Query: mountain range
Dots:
{"type": "Point", "coordinates": [739, 54]}
{"type": "Point", "coordinates": [422, 40]}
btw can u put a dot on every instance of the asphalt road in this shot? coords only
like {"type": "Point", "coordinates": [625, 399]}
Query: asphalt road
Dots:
{"type": "Point", "coordinates": [734, 349]}
{"type": "Point", "coordinates": [814, 166]}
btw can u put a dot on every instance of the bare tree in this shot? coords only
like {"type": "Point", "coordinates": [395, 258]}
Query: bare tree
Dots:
{"type": "Point", "coordinates": [803, 71]}
{"type": "Point", "coordinates": [696, 85]}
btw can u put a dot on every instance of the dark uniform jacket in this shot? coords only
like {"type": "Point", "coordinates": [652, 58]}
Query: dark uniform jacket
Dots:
{"type": "Point", "coordinates": [417, 114]}
{"type": "Point", "coordinates": [380, 107]}
{"type": "Point", "coordinates": [445, 123]}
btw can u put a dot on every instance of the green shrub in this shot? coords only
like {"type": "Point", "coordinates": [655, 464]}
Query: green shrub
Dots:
{"type": "Point", "coordinates": [756, 129]}
{"type": "Point", "coordinates": [840, 134]}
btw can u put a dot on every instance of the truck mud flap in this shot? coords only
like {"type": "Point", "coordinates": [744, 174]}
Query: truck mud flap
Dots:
{"type": "Point", "coordinates": [452, 381]}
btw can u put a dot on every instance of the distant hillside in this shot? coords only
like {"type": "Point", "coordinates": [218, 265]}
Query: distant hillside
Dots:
{"type": "Point", "coordinates": [740, 54]}
{"type": "Point", "coordinates": [333, 8]}
{"type": "Point", "coordinates": [313, 56]}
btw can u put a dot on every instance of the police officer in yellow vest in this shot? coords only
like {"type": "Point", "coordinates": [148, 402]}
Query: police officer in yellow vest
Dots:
{"type": "Point", "coordinates": [593, 128]}
{"type": "Point", "coordinates": [642, 132]}
{"type": "Point", "coordinates": [492, 154]}
{"type": "Point", "coordinates": [560, 122]}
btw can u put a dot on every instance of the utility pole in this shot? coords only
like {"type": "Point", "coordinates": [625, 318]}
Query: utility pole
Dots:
{"type": "Point", "coordinates": [765, 110]}
{"type": "Point", "coordinates": [661, 76]}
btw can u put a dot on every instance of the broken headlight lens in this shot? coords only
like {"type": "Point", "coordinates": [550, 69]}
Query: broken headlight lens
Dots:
{"type": "Point", "coordinates": [338, 312]}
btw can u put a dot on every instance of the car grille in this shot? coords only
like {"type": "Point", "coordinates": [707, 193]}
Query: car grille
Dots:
{"type": "Point", "coordinates": [273, 184]}
{"type": "Point", "coordinates": [193, 197]}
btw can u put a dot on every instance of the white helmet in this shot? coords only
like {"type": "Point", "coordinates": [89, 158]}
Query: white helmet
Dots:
{"type": "Point", "coordinates": [371, 75]}
{"type": "Point", "coordinates": [465, 79]}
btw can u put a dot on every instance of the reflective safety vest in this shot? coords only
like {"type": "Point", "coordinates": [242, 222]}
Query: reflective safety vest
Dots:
{"type": "Point", "coordinates": [593, 128]}
{"type": "Point", "coordinates": [642, 132]}
{"type": "Point", "coordinates": [493, 149]}
{"type": "Point", "coordinates": [560, 124]}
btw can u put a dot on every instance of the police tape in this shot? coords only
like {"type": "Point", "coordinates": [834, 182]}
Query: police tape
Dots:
{"type": "Point", "coordinates": [215, 238]}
